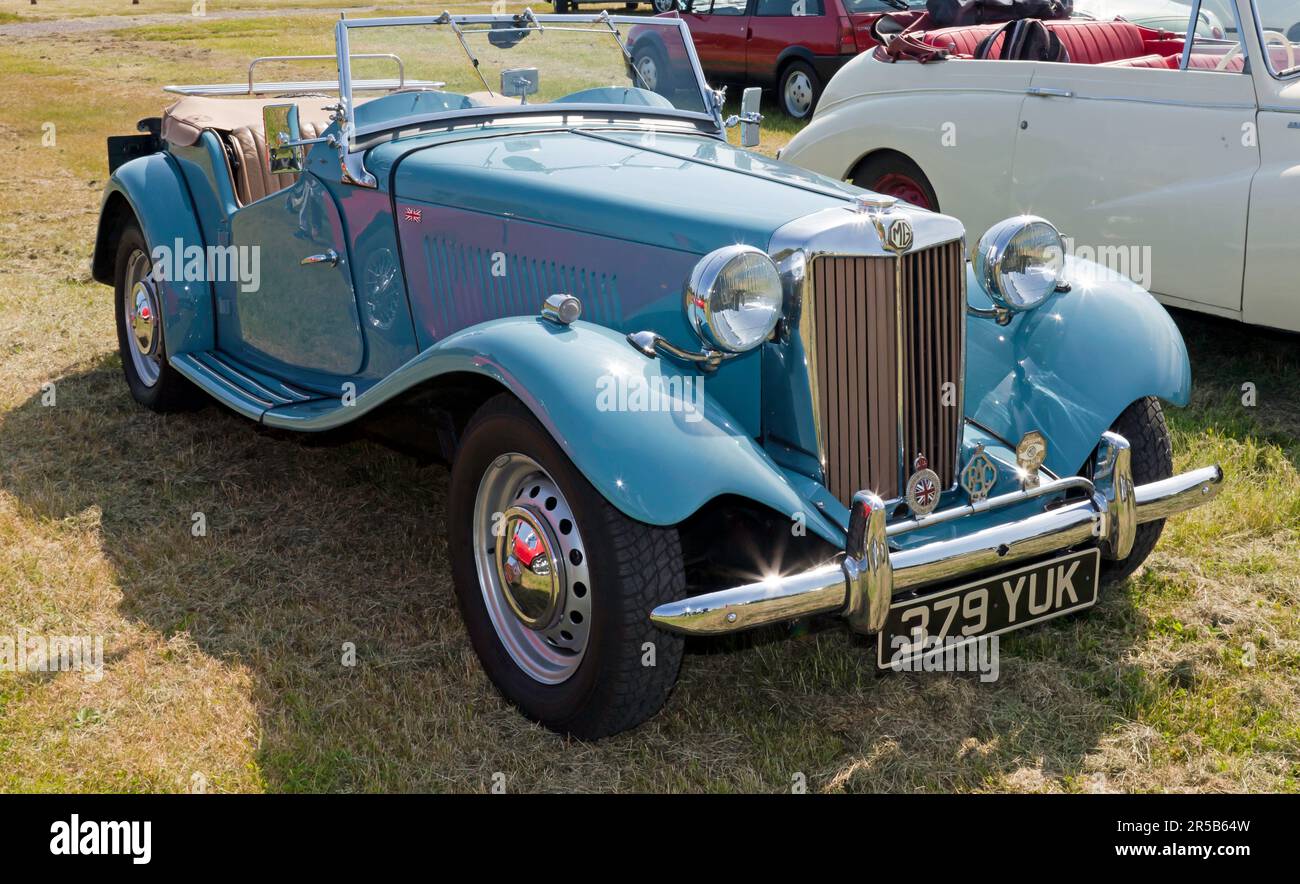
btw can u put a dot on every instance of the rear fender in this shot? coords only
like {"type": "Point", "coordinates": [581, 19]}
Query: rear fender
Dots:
{"type": "Point", "coordinates": [156, 194]}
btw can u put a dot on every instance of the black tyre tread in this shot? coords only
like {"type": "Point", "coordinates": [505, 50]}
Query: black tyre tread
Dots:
{"type": "Point", "coordinates": [650, 573]}
{"type": "Point", "coordinates": [649, 568]}
{"type": "Point", "coordinates": [1143, 425]}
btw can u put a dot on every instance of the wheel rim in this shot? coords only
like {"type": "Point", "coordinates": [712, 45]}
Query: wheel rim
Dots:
{"type": "Point", "coordinates": [904, 187]}
{"type": "Point", "coordinates": [798, 94]}
{"type": "Point", "coordinates": [665, 5]}
{"type": "Point", "coordinates": [532, 568]}
{"type": "Point", "coordinates": [140, 313]}
{"type": "Point", "coordinates": [648, 71]}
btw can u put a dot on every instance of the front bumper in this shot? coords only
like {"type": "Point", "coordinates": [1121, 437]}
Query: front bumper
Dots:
{"type": "Point", "coordinates": [862, 584]}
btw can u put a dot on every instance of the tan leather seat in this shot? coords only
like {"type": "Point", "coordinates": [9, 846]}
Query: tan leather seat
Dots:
{"type": "Point", "coordinates": [253, 180]}
{"type": "Point", "coordinates": [238, 123]}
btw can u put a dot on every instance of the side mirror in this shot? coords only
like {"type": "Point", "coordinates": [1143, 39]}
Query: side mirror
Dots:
{"type": "Point", "coordinates": [520, 83]}
{"type": "Point", "coordinates": [283, 152]}
{"type": "Point", "coordinates": [750, 118]}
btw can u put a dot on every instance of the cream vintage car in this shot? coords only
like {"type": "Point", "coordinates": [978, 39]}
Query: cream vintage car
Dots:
{"type": "Point", "coordinates": [1175, 157]}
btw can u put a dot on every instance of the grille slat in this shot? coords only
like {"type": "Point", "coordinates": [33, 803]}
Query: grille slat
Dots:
{"type": "Point", "coordinates": [855, 338]}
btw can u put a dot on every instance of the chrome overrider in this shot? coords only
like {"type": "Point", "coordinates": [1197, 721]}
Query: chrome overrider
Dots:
{"type": "Point", "coordinates": [861, 584]}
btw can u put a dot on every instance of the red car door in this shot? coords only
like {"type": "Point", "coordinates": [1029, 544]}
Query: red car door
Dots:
{"type": "Point", "coordinates": [778, 24]}
{"type": "Point", "coordinates": [719, 29]}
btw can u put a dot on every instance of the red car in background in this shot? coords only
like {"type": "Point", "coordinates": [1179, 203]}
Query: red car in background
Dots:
{"type": "Point", "coordinates": [792, 46]}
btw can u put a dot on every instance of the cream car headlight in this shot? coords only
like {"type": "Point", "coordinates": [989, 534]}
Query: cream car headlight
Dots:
{"type": "Point", "coordinates": [734, 297]}
{"type": "Point", "coordinates": [1019, 262]}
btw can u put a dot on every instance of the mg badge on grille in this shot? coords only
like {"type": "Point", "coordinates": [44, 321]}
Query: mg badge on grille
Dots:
{"type": "Point", "coordinates": [979, 476]}
{"type": "Point", "coordinates": [898, 237]}
{"type": "Point", "coordinates": [922, 488]}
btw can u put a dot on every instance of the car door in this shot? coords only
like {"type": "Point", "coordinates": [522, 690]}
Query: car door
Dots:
{"type": "Point", "coordinates": [778, 24]}
{"type": "Point", "coordinates": [719, 28]}
{"type": "Point", "coordinates": [1272, 285]}
{"type": "Point", "coordinates": [1147, 170]}
{"type": "Point", "coordinates": [302, 313]}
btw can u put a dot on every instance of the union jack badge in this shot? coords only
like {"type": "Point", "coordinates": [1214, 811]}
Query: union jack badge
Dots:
{"type": "Point", "coordinates": [922, 488]}
{"type": "Point", "coordinates": [415, 215]}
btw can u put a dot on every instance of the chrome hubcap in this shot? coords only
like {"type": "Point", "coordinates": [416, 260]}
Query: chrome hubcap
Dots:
{"type": "Point", "coordinates": [140, 312]}
{"type": "Point", "coordinates": [532, 568]}
{"type": "Point", "coordinates": [798, 94]}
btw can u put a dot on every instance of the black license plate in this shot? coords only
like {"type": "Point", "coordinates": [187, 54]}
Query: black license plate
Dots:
{"type": "Point", "coordinates": [988, 607]}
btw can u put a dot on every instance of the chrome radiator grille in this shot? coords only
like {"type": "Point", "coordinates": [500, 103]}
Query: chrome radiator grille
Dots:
{"type": "Point", "coordinates": [884, 336]}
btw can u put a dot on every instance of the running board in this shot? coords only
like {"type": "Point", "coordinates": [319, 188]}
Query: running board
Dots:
{"type": "Point", "coordinates": [246, 390]}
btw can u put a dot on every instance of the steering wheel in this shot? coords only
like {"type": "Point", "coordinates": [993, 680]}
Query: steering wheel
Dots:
{"type": "Point", "coordinates": [1268, 37]}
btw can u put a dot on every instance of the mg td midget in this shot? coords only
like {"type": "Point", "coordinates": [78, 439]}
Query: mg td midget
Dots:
{"type": "Point", "coordinates": [486, 223]}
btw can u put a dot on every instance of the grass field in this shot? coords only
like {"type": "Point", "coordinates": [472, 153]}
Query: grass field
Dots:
{"type": "Point", "coordinates": [222, 666]}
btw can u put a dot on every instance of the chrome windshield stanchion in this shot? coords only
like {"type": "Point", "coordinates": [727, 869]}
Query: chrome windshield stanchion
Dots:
{"type": "Point", "coordinates": [1115, 496]}
{"type": "Point", "coordinates": [867, 569]}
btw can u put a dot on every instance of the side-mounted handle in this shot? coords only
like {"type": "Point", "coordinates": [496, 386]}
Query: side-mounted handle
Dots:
{"type": "Point", "coordinates": [330, 257]}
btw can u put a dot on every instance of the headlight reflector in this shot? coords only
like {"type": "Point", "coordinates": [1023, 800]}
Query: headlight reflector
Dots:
{"type": "Point", "coordinates": [734, 297]}
{"type": "Point", "coordinates": [1019, 261]}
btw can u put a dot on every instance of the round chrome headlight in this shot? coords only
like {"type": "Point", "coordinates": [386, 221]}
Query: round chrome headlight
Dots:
{"type": "Point", "coordinates": [1019, 261]}
{"type": "Point", "coordinates": [733, 299]}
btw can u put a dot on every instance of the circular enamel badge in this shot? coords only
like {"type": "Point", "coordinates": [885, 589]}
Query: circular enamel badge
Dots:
{"type": "Point", "coordinates": [923, 492]}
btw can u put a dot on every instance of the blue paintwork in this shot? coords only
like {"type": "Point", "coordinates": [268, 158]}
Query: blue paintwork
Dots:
{"type": "Point", "coordinates": [1069, 367]}
{"type": "Point", "coordinates": [618, 218]}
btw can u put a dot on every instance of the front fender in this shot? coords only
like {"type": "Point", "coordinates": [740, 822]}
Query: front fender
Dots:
{"type": "Point", "coordinates": [1070, 366]}
{"type": "Point", "coordinates": [156, 192]}
{"type": "Point", "coordinates": [658, 460]}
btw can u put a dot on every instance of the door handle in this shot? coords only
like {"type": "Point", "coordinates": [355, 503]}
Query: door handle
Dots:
{"type": "Point", "coordinates": [1049, 92]}
{"type": "Point", "coordinates": [330, 257]}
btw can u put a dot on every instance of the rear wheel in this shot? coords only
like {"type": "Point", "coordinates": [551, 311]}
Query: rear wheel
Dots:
{"type": "Point", "coordinates": [664, 5]}
{"type": "Point", "coordinates": [1143, 425]}
{"type": "Point", "coordinates": [891, 173]}
{"type": "Point", "coordinates": [563, 6]}
{"type": "Point", "coordinates": [798, 89]}
{"type": "Point", "coordinates": [138, 310]}
{"type": "Point", "coordinates": [555, 585]}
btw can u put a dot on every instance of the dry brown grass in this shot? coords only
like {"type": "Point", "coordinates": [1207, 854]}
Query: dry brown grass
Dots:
{"type": "Point", "coordinates": [223, 652]}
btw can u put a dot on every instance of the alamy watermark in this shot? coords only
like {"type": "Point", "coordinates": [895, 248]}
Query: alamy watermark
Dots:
{"type": "Point", "coordinates": [181, 263]}
{"type": "Point", "coordinates": [638, 393]}
{"type": "Point", "coordinates": [950, 654]}
{"type": "Point", "coordinates": [32, 652]}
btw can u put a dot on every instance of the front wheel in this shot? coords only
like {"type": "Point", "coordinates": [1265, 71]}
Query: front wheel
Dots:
{"type": "Point", "coordinates": [662, 6]}
{"type": "Point", "coordinates": [1143, 425]}
{"type": "Point", "coordinates": [563, 6]}
{"type": "Point", "coordinates": [652, 69]}
{"type": "Point", "coordinates": [555, 585]}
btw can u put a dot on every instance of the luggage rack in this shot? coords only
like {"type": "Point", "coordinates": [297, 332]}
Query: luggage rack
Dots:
{"type": "Point", "coordinates": [287, 88]}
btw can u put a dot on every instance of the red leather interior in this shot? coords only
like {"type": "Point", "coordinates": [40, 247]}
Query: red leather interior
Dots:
{"type": "Point", "coordinates": [1208, 62]}
{"type": "Point", "coordinates": [1088, 42]}
{"type": "Point", "coordinates": [1145, 61]}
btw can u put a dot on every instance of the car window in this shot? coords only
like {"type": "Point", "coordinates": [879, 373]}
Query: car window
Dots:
{"type": "Point", "coordinates": [788, 7]}
{"type": "Point", "coordinates": [729, 7]}
{"type": "Point", "coordinates": [1278, 22]}
{"type": "Point", "coordinates": [855, 6]}
{"type": "Point", "coordinates": [1216, 41]}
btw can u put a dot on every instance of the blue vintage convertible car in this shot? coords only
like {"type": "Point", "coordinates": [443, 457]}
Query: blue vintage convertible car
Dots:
{"type": "Point", "coordinates": [683, 389]}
